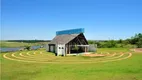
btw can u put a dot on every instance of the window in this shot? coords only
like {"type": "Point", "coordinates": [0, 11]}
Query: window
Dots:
{"type": "Point", "coordinates": [61, 47]}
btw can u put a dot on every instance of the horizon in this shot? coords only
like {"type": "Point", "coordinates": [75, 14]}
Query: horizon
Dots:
{"type": "Point", "coordinates": [40, 19]}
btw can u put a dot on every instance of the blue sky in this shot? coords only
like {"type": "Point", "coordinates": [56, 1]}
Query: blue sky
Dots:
{"type": "Point", "coordinates": [40, 19]}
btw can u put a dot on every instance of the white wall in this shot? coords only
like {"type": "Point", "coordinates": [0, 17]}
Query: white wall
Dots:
{"type": "Point", "coordinates": [47, 47]}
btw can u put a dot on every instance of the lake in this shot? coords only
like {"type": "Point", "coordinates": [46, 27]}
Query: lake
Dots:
{"type": "Point", "coordinates": [16, 49]}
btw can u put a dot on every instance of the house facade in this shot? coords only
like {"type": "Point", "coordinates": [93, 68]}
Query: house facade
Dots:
{"type": "Point", "coordinates": [68, 42]}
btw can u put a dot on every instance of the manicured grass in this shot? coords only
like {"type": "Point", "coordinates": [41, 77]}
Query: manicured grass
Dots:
{"type": "Point", "coordinates": [113, 50]}
{"type": "Point", "coordinates": [128, 69]}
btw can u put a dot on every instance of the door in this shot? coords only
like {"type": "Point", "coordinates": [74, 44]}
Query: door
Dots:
{"type": "Point", "coordinates": [61, 49]}
{"type": "Point", "coordinates": [52, 48]}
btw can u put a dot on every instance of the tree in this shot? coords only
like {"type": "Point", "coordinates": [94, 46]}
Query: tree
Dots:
{"type": "Point", "coordinates": [139, 43]}
{"type": "Point", "coordinates": [90, 41]}
{"type": "Point", "coordinates": [27, 47]}
{"type": "Point", "coordinates": [120, 41]}
{"type": "Point", "coordinates": [111, 44]}
{"type": "Point", "coordinates": [137, 39]}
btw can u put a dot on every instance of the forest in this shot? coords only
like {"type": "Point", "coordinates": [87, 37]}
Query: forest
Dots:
{"type": "Point", "coordinates": [133, 42]}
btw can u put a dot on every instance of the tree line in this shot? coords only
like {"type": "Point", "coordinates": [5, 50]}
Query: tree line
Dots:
{"type": "Point", "coordinates": [28, 41]}
{"type": "Point", "coordinates": [133, 42]}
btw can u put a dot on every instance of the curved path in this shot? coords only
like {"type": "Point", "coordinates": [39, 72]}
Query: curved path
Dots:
{"type": "Point", "coordinates": [41, 57]}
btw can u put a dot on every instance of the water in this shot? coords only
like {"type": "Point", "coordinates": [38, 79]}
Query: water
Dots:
{"type": "Point", "coordinates": [16, 49]}
{"type": "Point", "coordinates": [35, 47]}
{"type": "Point", "coordinates": [9, 49]}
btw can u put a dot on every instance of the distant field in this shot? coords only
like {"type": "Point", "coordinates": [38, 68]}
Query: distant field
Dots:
{"type": "Point", "coordinates": [118, 64]}
{"type": "Point", "coordinates": [5, 44]}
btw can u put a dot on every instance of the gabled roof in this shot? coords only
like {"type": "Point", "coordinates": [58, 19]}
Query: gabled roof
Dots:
{"type": "Point", "coordinates": [63, 39]}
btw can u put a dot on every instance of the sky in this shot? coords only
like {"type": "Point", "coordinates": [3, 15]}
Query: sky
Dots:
{"type": "Point", "coordinates": [40, 19]}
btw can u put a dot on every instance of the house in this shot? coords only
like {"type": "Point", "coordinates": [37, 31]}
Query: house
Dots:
{"type": "Point", "coordinates": [68, 42]}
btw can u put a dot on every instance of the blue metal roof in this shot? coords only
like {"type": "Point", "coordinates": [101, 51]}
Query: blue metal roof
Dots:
{"type": "Point", "coordinates": [71, 31]}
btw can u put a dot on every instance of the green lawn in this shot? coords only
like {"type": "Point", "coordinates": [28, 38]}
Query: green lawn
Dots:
{"type": "Point", "coordinates": [71, 67]}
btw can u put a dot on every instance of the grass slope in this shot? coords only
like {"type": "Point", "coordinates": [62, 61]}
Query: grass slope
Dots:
{"type": "Point", "coordinates": [128, 69]}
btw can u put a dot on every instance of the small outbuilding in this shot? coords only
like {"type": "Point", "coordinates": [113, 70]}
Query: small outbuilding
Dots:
{"type": "Point", "coordinates": [68, 42]}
